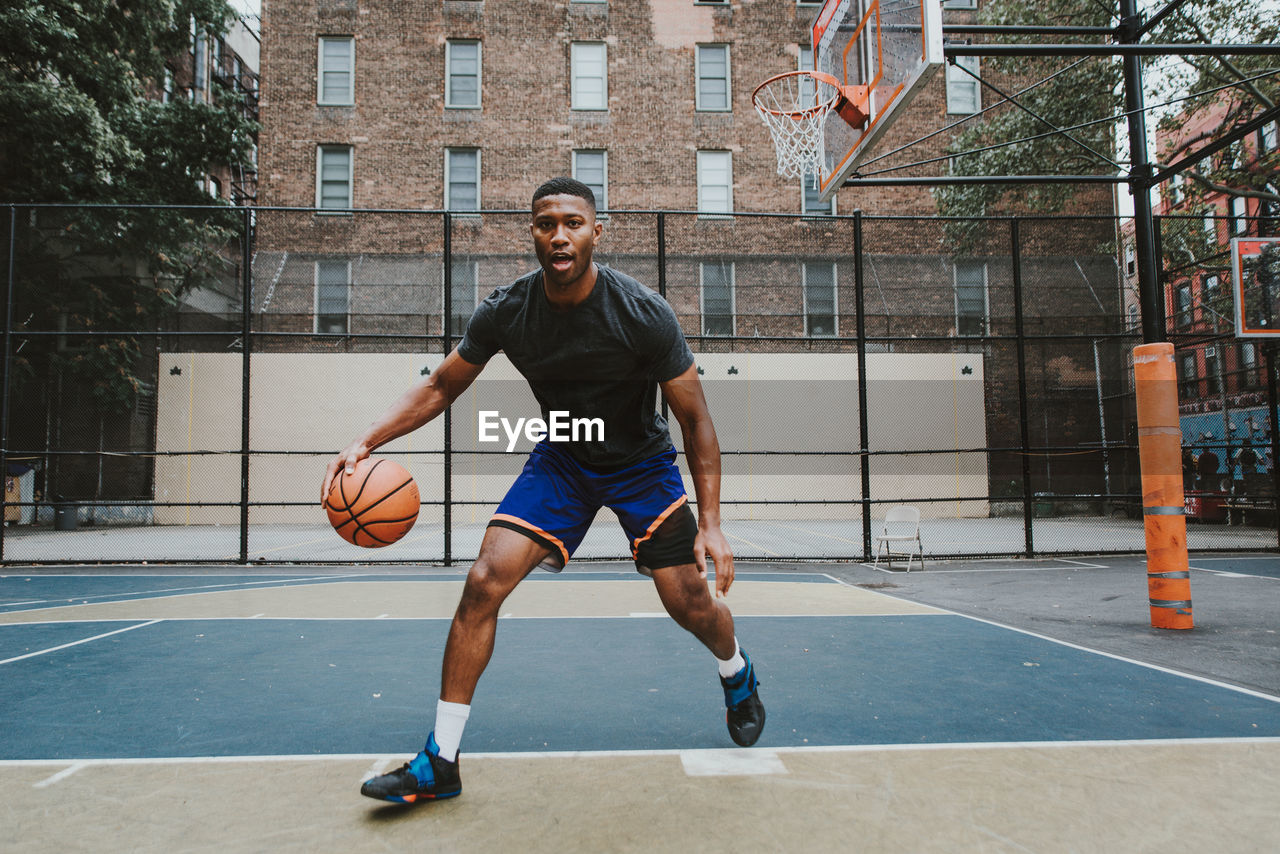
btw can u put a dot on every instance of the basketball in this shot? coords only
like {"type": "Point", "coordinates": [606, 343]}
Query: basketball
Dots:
{"type": "Point", "coordinates": [375, 505]}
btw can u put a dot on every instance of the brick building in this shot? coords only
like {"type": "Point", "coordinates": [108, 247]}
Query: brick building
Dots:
{"type": "Point", "coordinates": [382, 114]}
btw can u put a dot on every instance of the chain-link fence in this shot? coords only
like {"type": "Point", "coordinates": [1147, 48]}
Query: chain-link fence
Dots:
{"type": "Point", "coordinates": [176, 380]}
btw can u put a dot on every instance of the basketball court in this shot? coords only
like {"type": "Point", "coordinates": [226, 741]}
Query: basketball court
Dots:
{"type": "Point", "coordinates": [241, 710]}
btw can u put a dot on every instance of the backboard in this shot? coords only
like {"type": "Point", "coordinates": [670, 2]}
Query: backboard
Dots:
{"type": "Point", "coordinates": [894, 46]}
{"type": "Point", "coordinates": [1255, 285]}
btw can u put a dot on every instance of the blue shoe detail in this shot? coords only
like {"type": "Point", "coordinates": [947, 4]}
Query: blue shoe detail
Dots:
{"type": "Point", "coordinates": [425, 777]}
{"type": "Point", "coordinates": [421, 764]}
{"type": "Point", "coordinates": [740, 685]}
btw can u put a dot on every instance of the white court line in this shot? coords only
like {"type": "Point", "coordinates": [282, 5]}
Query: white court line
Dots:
{"type": "Point", "coordinates": [1214, 682]}
{"type": "Point", "coordinates": [76, 601]}
{"type": "Point", "coordinates": [1223, 573]}
{"type": "Point", "coordinates": [1265, 741]}
{"type": "Point", "coordinates": [77, 643]}
{"type": "Point", "coordinates": [1082, 563]}
{"type": "Point", "coordinates": [378, 768]}
{"type": "Point", "coordinates": [61, 775]}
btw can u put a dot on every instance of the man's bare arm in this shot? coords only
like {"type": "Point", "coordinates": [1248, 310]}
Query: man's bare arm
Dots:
{"type": "Point", "coordinates": [421, 403]}
{"type": "Point", "coordinates": [702, 451]}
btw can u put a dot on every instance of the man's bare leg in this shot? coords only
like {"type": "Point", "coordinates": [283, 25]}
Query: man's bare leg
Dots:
{"type": "Point", "coordinates": [684, 594]}
{"type": "Point", "coordinates": [506, 558]}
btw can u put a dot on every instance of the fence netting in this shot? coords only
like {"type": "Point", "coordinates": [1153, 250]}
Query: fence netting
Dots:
{"type": "Point", "coordinates": [176, 380]}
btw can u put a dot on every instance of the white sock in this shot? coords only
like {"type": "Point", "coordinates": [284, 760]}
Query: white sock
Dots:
{"type": "Point", "coordinates": [451, 720]}
{"type": "Point", "coordinates": [732, 664]}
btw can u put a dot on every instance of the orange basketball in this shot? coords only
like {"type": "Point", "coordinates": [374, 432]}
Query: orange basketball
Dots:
{"type": "Point", "coordinates": [375, 505]}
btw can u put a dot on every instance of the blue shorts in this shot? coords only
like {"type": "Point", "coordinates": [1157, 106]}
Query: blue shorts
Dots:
{"type": "Point", "coordinates": [555, 499]}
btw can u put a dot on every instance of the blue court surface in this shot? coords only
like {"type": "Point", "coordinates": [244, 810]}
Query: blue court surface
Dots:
{"type": "Point", "coordinates": [105, 667]}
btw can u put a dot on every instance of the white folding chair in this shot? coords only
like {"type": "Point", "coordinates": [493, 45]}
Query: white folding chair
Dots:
{"type": "Point", "coordinates": [901, 525]}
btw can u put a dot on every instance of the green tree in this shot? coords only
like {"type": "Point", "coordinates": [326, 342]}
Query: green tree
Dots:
{"type": "Point", "coordinates": [81, 122]}
{"type": "Point", "coordinates": [1080, 95]}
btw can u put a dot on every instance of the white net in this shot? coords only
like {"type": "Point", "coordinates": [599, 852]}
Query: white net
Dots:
{"type": "Point", "coordinates": [789, 106]}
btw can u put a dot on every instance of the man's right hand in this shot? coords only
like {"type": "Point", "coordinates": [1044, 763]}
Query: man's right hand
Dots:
{"type": "Point", "coordinates": [347, 459]}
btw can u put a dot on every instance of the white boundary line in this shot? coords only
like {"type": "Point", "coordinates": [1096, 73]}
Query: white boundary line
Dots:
{"type": "Point", "coordinates": [77, 643]}
{"type": "Point", "coordinates": [658, 752]}
{"type": "Point", "coordinates": [1248, 691]}
{"type": "Point", "coordinates": [128, 596]}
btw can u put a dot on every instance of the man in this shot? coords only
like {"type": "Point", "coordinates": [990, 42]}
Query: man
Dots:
{"type": "Point", "coordinates": [596, 344]}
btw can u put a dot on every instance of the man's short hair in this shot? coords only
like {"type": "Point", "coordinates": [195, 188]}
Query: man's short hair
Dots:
{"type": "Point", "coordinates": [566, 187]}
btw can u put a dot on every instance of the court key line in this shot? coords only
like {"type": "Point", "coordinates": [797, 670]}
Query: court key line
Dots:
{"type": "Point", "coordinates": [77, 643]}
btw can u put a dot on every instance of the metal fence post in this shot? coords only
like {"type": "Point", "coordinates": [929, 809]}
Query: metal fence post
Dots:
{"type": "Point", "coordinates": [4, 388]}
{"type": "Point", "coordinates": [1275, 435]}
{"type": "Point", "coordinates": [447, 341]}
{"type": "Point", "coordinates": [662, 276]}
{"type": "Point", "coordinates": [1024, 438]}
{"type": "Point", "coordinates": [246, 319]}
{"type": "Point", "coordinates": [864, 460]}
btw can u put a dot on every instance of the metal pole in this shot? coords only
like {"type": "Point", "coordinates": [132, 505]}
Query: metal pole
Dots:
{"type": "Point", "coordinates": [662, 276]}
{"type": "Point", "coordinates": [859, 291]}
{"type": "Point", "coordinates": [4, 388]}
{"type": "Point", "coordinates": [1139, 179]}
{"type": "Point", "coordinates": [1275, 434]}
{"type": "Point", "coordinates": [246, 348]}
{"type": "Point", "coordinates": [1024, 436]}
{"type": "Point", "coordinates": [447, 341]}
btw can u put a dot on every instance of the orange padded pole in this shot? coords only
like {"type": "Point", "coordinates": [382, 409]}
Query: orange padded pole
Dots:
{"type": "Point", "coordinates": [1163, 510]}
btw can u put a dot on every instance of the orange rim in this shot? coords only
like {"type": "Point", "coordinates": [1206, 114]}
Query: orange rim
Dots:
{"type": "Point", "coordinates": [804, 112]}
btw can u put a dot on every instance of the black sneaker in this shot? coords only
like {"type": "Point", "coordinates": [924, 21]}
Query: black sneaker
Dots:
{"type": "Point", "coordinates": [745, 714]}
{"type": "Point", "coordinates": [427, 777]}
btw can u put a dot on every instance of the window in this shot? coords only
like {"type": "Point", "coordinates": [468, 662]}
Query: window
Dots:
{"type": "Point", "coordinates": [1182, 297]}
{"type": "Point", "coordinates": [333, 177]}
{"type": "Point", "coordinates": [1212, 371]}
{"type": "Point", "coordinates": [333, 296]}
{"type": "Point", "coordinates": [1248, 357]}
{"type": "Point", "coordinates": [337, 67]}
{"type": "Point", "coordinates": [1134, 319]}
{"type": "Point", "coordinates": [809, 2]}
{"type": "Point", "coordinates": [808, 89]}
{"type": "Point", "coordinates": [959, 4]}
{"type": "Point", "coordinates": [713, 77]}
{"type": "Point", "coordinates": [462, 179]}
{"type": "Point", "coordinates": [1189, 381]}
{"type": "Point", "coordinates": [1173, 190]}
{"type": "Point", "coordinates": [1239, 209]}
{"type": "Point", "coordinates": [462, 82]}
{"type": "Point", "coordinates": [168, 87]}
{"type": "Point", "coordinates": [464, 283]}
{"type": "Point", "coordinates": [589, 61]}
{"type": "Point", "coordinates": [1268, 137]}
{"type": "Point", "coordinates": [812, 198]}
{"type": "Point", "coordinates": [1130, 259]}
{"type": "Point", "coordinates": [819, 280]}
{"type": "Point", "coordinates": [971, 298]}
{"type": "Point", "coordinates": [717, 297]}
{"type": "Point", "coordinates": [964, 95]}
{"type": "Point", "coordinates": [1210, 227]}
{"type": "Point", "coordinates": [591, 167]}
{"type": "Point", "coordinates": [715, 182]}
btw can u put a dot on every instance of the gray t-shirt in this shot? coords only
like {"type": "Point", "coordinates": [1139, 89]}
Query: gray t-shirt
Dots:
{"type": "Point", "coordinates": [600, 359]}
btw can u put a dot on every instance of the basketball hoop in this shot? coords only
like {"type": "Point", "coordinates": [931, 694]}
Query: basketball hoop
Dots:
{"type": "Point", "coordinates": [795, 110]}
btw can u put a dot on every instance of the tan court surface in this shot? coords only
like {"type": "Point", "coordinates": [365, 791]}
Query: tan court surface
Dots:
{"type": "Point", "coordinates": [1079, 798]}
{"type": "Point", "coordinates": [555, 598]}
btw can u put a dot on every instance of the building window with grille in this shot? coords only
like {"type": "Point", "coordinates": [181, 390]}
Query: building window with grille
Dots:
{"type": "Point", "coordinates": [819, 281]}
{"type": "Point", "coordinates": [1210, 226]}
{"type": "Point", "coordinates": [715, 182]}
{"type": "Point", "coordinates": [462, 179]}
{"type": "Point", "coordinates": [713, 78]}
{"type": "Point", "coordinates": [591, 167]}
{"type": "Point", "coordinates": [464, 285]}
{"type": "Point", "coordinates": [964, 93]}
{"type": "Point", "coordinates": [1248, 356]}
{"type": "Point", "coordinates": [717, 297]}
{"type": "Point", "coordinates": [1212, 371]}
{"type": "Point", "coordinates": [971, 298]}
{"type": "Point", "coordinates": [333, 177]}
{"type": "Point", "coordinates": [1268, 137]}
{"type": "Point", "coordinates": [589, 66]}
{"type": "Point", "coordinates": [462, 80]}
{"type": "Point", "coordinates": [1130, 259]}
{"type": "Point", "coordinates": [337, 56]}
{"type": "Point", "coordinates": [333, 296]}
